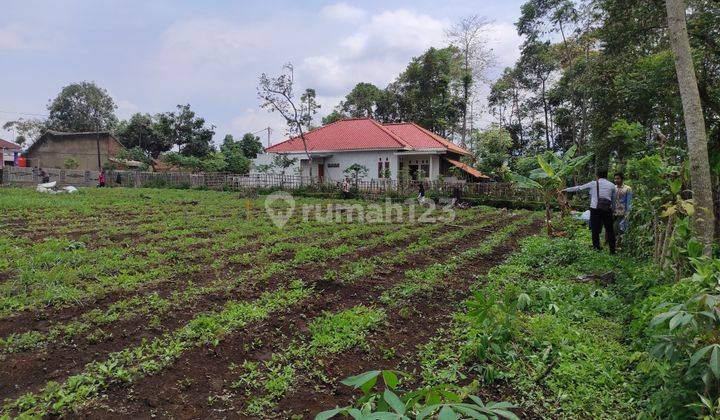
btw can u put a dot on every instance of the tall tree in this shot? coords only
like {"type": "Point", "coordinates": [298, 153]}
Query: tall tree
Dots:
{"type": "Point", "coordinates": [704, 216]}
{"type": "Point", "coordinates": [186, 130]}
{"type": "Point", "coordinates": [362, 101]}
{"type": "Point", "coordinates": [278, 95]}
{"type": "Point", "coordinates": [26, 130]}
{"type": "Point", "coordinates": [537, 65]}
{"type": "Point", "coordinates": [82, 107]}
{"type": "Point", "coordinates": [142, 131]}
{"type": "Point", "coordinates": [233, 151]}
{"type": "Point", "coordinates": [468, 36]}
{"type": "Point", "coordinates": [250, 145]}
{"type": "Point", "coordinates": [429, 91]}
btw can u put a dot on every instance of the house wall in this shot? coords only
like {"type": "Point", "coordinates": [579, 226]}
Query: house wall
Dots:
{"type": "Point", "coordinates": [368, 159]}
{"type": "Point", "coordinates": [336, 164]}
{"type": "Point", "coordinates": [54, 151]}
{"type": "Point", "coordinates": [343, 160]}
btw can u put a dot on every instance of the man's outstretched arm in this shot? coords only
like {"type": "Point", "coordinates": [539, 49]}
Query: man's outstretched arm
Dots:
{"type": "Point", "coordinates": [580, 187]}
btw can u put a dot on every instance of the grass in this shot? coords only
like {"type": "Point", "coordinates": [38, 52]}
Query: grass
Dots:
{"type": "Point", "coordinates": [564, 344]}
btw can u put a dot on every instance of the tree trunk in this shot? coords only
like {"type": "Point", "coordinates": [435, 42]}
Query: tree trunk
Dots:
{"type": "Point", "coordinates": [545, 110]}
{"type": "Point", "coordinates": [704, 217]}
{"type": "Point", "coordinates": [466, 96]}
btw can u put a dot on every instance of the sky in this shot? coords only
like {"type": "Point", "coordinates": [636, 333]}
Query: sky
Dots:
{"type": "Point", "coordinates": [151, 55]}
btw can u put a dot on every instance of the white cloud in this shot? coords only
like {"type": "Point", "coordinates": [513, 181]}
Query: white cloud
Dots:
{"type": "Point", "coordinates": [404, 30]}
{"type": "Point", "coordinates": [212, 53]}
{"type": "Point", "coordinates": [375, 51]}
{"type": "Point", "coordinates": [326, 71]}
{"type": "Point", "coordinates": [126, 108]}
{"type": "Point", "coordinates": [254, 119]}
{"type": "Point", "coordinates": [505, 42]}
{"type": "Point", "coordinates": [343, 12]}
{"type": "Point", "coordinates": [18, 37]}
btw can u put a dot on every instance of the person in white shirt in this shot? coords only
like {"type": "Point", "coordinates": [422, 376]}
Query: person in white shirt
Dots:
{"type": "Point", "coordinates": [602, 199]}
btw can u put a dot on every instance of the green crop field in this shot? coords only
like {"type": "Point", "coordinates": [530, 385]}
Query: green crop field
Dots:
{"type": "Point", "coordinates": [139, 302]}
{"type": "Point", "coordinates": [118, 303]}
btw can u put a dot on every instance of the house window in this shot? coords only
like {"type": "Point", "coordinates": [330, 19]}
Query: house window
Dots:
{"type": "Point", "coordinates": [387, 169]}
{"type": "Point", "coordinates": [380, 169]}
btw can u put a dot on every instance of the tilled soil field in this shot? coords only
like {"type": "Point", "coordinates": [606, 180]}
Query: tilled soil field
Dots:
{"type": "Point", "coordinates": [195, 304]}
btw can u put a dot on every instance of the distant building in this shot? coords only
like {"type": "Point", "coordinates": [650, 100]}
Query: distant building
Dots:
{"type": "Point", "coordinates": [8, 150]}
{"type": "Point", "coordinates": [53, 149]}
{"type": "Point", "coordinates": [384, 149]}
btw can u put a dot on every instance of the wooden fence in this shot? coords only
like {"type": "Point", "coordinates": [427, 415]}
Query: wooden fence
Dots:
{"type": "Point", "coordinates": [495, 191]}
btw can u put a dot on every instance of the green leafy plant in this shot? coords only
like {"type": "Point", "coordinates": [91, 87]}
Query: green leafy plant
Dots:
{"type": "Point", "coordinates": [550, 178]}
{"type": "Point", "coordinates": [689, 331]}
{"type": "Point", "coordinates": [392, 402]}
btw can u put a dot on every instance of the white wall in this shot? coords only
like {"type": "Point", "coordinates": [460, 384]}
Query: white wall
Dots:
{"type": "Point", "coordinates": [369, 159]}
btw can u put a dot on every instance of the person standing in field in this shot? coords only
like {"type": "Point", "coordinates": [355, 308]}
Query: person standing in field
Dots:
{"type": "Point", "coordinates": [602, 197]}
{"type": "Point", "coordinates": [345, 189]}
{"type": "Point", "coordinates": [101, 179]}
{"type": "Point", "coordinates": [622, 205]}
{"type": "Point", "coordinates": [44, 177]}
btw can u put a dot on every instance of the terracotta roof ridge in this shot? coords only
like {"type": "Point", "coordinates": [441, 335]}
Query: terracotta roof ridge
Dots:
{"type": "Point", "coordinates": [314, 130]}
{"type": "Point", "coordinates": [445, 142]}
{"type": "Point", "coordinates": [393, 135]}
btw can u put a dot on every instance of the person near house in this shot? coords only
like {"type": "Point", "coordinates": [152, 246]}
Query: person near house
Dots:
{"type": "Point", "coordinates": [421, 191]}
{"type": "Point", "coordinates": [623, 203]}
{"type": "Point", "coordinates": [101, 179]}
{"type": "Point", "coordinates": [457, 195]}
{"type": "Point", "coordinates": [602, 197]}
{"type": "Point", "coordinates": [345, 189]}
{"type": "Point", "coordinates": [44, 176]}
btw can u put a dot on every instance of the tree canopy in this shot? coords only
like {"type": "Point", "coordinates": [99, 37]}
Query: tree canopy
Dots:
{"type": "Point", "coordinates": [82, 107]}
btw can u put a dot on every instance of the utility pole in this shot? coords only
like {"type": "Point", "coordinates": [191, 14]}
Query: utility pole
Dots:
{"type": "Point", "coordinates": [269, 130]}
{"type": "Point", "coordinates": [97, 141]}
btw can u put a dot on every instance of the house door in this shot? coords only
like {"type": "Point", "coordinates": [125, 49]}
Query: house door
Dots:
{"type": "Point", "coordinates": [413, 171]}
{"type": "Point", "coordinates": [321, 171]}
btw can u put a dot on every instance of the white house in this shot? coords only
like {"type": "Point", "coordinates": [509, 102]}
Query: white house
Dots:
{"type": "Point", "coordinates": [384, 149]}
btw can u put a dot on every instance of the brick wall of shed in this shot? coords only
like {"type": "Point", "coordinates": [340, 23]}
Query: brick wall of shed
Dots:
{"type": "Point", "coordinates": [53, 152]}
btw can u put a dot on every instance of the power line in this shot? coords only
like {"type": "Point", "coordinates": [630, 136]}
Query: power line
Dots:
{"type": "Point", "coordinates": [23, 113]}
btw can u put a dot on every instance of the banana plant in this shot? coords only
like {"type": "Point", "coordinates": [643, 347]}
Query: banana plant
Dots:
{"type": "Point", "coordinates": [549, 179]}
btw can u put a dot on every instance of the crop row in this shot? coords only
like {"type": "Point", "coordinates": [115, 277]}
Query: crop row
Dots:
{"type": "Point", "coordinates": [81, 398]}
{"type": "Point", "coordinates": [156, 305]}
{"type": "Point", "coordinates": [266, 382]}
{"type": "Point", "coordinates": [268, 246]}
{"type": "Point", "coordinates": [151, 357]}
{"type": "Point", "coordinates": [57, 272]}
{"type": "Point", "coordinates": [347, 250]}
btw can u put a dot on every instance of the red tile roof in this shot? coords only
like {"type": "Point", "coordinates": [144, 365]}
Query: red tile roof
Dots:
{"type": "Point", "coordinates": [421, 138]}
{"type": "Point", "coordinates": [472, 171]}
{"type": "Point", "coordinates": [366, 134]}
{"type": "Point", "coordinates": [4, 144]}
